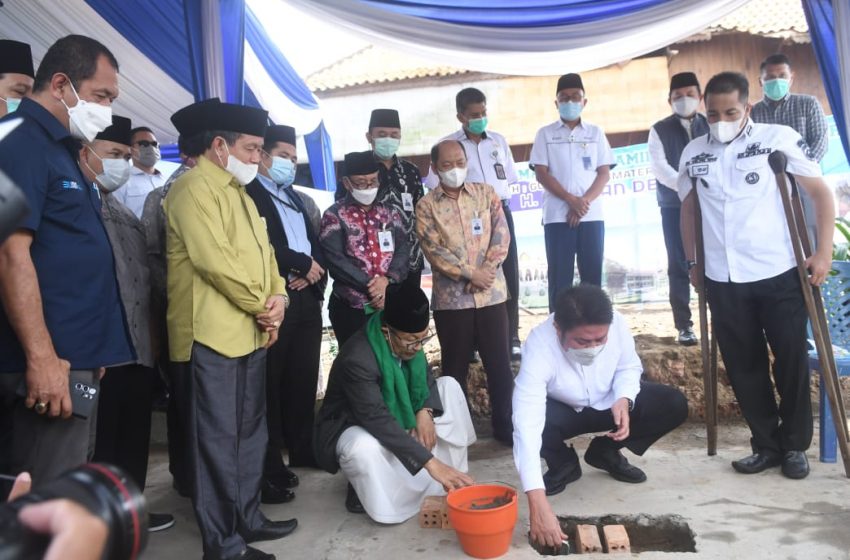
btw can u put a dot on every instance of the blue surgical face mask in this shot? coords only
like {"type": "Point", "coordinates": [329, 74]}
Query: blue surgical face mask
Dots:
{"type": "Point", "coordinates": [12, 104]}
{"type": "Point", "coordinates": [776, 89]}
{"type": "Point", "coordinates": [385, 147]}
{"type": "Point", "coordinates": [282, 171]}
{"type": "Point", "coordinates": [570, 110]}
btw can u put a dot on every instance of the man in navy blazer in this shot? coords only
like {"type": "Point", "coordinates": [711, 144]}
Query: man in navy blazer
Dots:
{"type": "Point", "coordinates": [292, 370]}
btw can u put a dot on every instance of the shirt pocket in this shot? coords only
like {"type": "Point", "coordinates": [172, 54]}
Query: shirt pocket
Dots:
{"type": "Point", "coordinates": [65, 201]}
{"type": "Point", "coordinates": [751, 177]}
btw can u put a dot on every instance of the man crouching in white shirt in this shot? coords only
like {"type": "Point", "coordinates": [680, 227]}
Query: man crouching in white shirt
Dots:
{"type": "Point", "coordinates": [580, 374]}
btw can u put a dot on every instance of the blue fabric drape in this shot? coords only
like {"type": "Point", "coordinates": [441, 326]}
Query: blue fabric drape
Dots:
{"type": "Point", "coordinates": [194, 36]}
{"type": "Point", "coordinates": [321, 158]}
{"type": "Point", "coordinates": [510, 13]}
{"type": "Point", "coordinates": [232, 18]}
{"type": "Point", "coordinates": [821, 20]}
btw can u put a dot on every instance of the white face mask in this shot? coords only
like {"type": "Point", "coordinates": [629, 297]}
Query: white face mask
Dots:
{"type": "Point", "coordinates": [365, 196]}
{"type": "Point", "coordinates": [685, 106]}
{"type": "Point", "coordinates": [453, 178]}
{"type": "Point", "coordinates": [116, 171]}
{"type": "Point", "coordinates": [243, 172]}
{"type": "Point", "coordinates": [726, 131]}
{"type": "Point", "coordinates": [87, 119]}
{"type": "Point", "coordinates": [584, 356]}
{"type": "Point", "coordinates": [148, 155]}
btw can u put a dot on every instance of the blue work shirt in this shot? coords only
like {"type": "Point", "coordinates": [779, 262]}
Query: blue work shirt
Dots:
{"type": "Point", "coordinates": [70, 250]}
{"type": "Point", "coordinates": [290, 216]}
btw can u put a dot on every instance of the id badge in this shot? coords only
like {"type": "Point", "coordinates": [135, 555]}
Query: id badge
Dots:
{"type": "Point", "coordinates": [477, 226]}
{"type": "Point", "coordinates": [588, 163]}
{"type": "Point", "coordinates": [385, 241]}
{"type": "Point", "coordinates": [407, 202]}
{"type": "Point", "coordinates": [500, 171]}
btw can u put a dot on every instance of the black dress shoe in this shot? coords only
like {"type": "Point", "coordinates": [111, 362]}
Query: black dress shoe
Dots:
{"type": "Point", "coordinates": [271, 493]}
{"type": "Point", "coordinates": [284, 478]}
{"type": "Point", "coordinates": [251, 553]}
{"type": "Point", "coordinates": [555, 480]}
{"type": "Point", "coordinates": [757, 462]}
{"type": "Point", "coordinates": [352, 502]}
{"type": "Point", "coordinates": [271, 530]}
{"type": "Point", "coordinates": [611, 460]}
{"type": "Point", "coordinates": [795, 464]}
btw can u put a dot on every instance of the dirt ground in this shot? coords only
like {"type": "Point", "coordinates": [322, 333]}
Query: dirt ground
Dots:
{"type": "Point", "coordinates": [664, 361]}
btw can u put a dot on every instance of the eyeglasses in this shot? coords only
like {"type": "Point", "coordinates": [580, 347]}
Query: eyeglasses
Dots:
{"type": "Point", "coordinates": [416, 345]}
{"type": "Point", "coordinates": [147, 143]}
{"type": "Point", "coordinates": [370, 185]}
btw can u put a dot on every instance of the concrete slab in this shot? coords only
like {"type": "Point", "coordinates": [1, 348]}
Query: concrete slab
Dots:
{"type": "Point", "coordinates": [733, 515]}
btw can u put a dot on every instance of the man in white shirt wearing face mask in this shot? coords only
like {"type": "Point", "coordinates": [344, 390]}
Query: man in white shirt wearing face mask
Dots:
{"type": "Point", "coordinates": [16, 74]}
{"type": "Point", "coordinates": [365, 245]}
{"type": "Point", "coordinates": [144, 176]}
{"type": "Point", "coordinates": [580, 374]}
{"type": "Point", "coordinates": [667, 138]}
{"type": "Point", "coordinates": [751, 281]}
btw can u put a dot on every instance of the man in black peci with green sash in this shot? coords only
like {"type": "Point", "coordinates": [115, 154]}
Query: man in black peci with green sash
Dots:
{"type": "Point", "coordinates": [397, 433]}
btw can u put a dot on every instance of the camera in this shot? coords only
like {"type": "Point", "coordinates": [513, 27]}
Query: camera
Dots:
{"type": "Point", "coordinates": [104, 490]}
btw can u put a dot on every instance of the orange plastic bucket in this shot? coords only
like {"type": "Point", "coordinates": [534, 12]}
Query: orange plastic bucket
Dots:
{"type": "Point", "coordinates": [484, 516]}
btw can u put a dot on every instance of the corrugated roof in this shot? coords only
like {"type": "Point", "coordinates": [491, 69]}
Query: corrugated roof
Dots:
{"type": "Point", "coordinates": [375, 64]}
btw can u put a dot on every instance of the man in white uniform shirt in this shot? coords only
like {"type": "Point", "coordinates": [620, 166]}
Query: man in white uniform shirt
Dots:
{"type": "Point", "coordinates": [490, 161]}
{"type": "Point", "coordinates": [572, 160]}
{"type": "Point", "coordinates": [144, 177]}
{"type": "Point", "coordinates": [752, 286]}
{"type": "Point", "coordinates": [580, 374]}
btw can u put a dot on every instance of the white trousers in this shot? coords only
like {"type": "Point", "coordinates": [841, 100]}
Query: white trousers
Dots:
{"type": "Point", "coordinates": [387, 490]}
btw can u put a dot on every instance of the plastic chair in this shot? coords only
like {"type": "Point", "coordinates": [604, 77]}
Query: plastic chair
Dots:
{"type": "Point", "coordinates": [836, 301]}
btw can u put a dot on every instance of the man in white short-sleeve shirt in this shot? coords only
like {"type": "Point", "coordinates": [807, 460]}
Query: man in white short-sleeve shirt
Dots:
{"type": "Point", "coordinates": [572, 160]}
{"type": "Point", "coordinates": [581, 374]}
{"type": "Point", "coordinates": [144, 176]}
{"type": "Point", "coordinates": [751, 280]}
{"type": "Point", "coordinates": [489, 160]}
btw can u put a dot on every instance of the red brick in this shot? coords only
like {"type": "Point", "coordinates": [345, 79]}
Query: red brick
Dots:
{"type": "Point", "coordinates": [587, 539]}
{"type": "Point", "coordinates": [434, 513]}
{"type": "Point", "coordinates": [616, 539]}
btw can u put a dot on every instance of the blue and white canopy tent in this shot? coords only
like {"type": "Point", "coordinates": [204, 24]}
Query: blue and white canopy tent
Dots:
{"type": "Point", "coordinates": [174, 51]}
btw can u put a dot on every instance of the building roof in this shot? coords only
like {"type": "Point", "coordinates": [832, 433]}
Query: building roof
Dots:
{"type": "Point", "coordinates": [376, 64]}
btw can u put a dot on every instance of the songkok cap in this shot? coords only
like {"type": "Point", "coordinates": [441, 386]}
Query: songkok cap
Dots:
{"type": "Point", "coordinates": [384, 117]}
{"type": "Point", "coordinates": [568, 81]}
{"type": "Point", "coordinates": [189, 120]}
{"type": "Point", "coordinates": [15, 58]}
{"type": "Point", "coordinates": [406, 308]}
{"type": "Point", "coordinates": [280, 133]}
{"type": "Point", "coordinates": [229, 117]}
{"type": "Point", "coordinates": [360, 163]}
{"type": "Point", "coordinates": [683, 79]}
{"type": "Point", "coordinates": [118, 131]}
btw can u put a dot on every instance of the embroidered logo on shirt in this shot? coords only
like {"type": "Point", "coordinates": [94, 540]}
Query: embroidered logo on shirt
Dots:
{"type": "Point", "coordinates": [752, 178]}
{"type": "Point", "coordinates": [698, 170]}
{"type": "Point", "coordinates": [753, 150]}
{"type": "Point", "coordinates": [702, 158]}
{"type": "Point", "coordinates": [72, 185]}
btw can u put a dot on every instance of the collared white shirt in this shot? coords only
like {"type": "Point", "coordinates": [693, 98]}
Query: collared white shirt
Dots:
{"type": "Point", "coordinates": [137, 188]}
{"type": "Point", "coordinates": [745, 233]}
{"type": "Point", "coordinates": [664, 173]}
{"type": "Point", "coordinates": [546, 372]}
{"type": "Point", "coordinates": [489, 161]}
{"type": "Point", "coordinates": [573, 157]}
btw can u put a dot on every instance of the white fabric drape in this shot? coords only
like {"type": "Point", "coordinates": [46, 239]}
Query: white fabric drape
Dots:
{"type": "Point", "coordinates": [148, 95]}
{"type": "Point", "coordinates": [539, 51]}
{"type": "Point", "coordinates": [841, 13]}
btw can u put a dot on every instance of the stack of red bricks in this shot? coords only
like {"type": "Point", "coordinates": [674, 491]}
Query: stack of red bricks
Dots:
{"type": "Point", "coordinates": [614, 539]}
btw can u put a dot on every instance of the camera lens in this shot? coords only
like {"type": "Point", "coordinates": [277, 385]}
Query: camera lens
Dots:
{"type": "Point", "coordinates": [104, 490]}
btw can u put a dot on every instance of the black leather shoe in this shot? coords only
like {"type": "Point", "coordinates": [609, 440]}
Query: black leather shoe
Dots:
{"type": "Point", "coordinates": [795, 464]}
{"type": "Point", "coordinates": [612, 461]}
{"type": "Point", "coordinates": [285, 478]}
{"type": "Point", "coordinates": [251, 553]}
{"type": "Point", "coordinates": [271, 530]}
{"type": "Point", "coordinates": [555, 480]}
{"type": "Point", "coordinates": [271, 493]}
{"type": "Point", "coordinates": [352, 502]}
{"type": "Point", "coordinates": [756, 463]}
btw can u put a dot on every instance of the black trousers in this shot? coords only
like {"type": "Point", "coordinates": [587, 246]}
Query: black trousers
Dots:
{"type": "Point", "coordinates": [124, 419]}
{"type": "Point", "coordinates": [677, 269]}
{"type": "Point", "coordinates": [658, 410]}
{"type": "Point", "coordinates": [345, 320]}
{"type": "Point", "coordinates": [746, 315]}
{"type": "Point", "coordinates": [292, 375]}
{"type": "Point", "coordinates": [459, 332]}
{"type": "Point", "coordinates": [227, 446]}
{"type": "Point", "coordinates": [177, 424]}
{"type": "Point", "coordinates": [567, 246]}
{"type": "Point", "coordinates": [511, 270]}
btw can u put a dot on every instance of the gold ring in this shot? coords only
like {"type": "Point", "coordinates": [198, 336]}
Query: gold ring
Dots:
{"type": "Point", "coordinates": [40, 407]}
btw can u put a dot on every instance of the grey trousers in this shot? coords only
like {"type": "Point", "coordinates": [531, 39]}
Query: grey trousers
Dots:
{"type": "Point", "coordinates": [44, 446]}
{"type": "Point", "coordinates": [227, 445]}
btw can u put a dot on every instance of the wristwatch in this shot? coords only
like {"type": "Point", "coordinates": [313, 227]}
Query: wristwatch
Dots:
{"type": "Point", "coordinates": [285, 300]}
{"type": "Point", "coordinates": [631, 403]}
{"type": "Point", "coordinates": [691, 264]}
